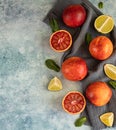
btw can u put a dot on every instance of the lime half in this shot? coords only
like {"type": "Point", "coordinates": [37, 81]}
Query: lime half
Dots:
{"type": "Point", "coordinates": [104, 24]}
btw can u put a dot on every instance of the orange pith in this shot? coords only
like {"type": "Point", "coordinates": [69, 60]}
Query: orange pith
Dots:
{"type": "Point", "coordinates": [60, 40]}
{"type": "Point", "coordinates": [74, 102]}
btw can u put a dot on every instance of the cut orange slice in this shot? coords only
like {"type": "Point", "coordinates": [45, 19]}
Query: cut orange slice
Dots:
{"type": "Point", "coordinates": [104, 24]}
{"type": "Point", "coordinates": [60, 41]}
{"type": "Point", "coordinates": [74, 102]}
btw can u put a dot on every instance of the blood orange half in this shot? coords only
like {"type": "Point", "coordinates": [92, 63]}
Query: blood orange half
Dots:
{"type": "Point", "coordinates": [74, 102]}
{"type": "Point", "coordinates": [60, 40]}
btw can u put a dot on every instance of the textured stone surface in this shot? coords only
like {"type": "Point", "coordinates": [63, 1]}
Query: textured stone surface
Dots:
{"type": "Point", "coordinates": [25, 102]}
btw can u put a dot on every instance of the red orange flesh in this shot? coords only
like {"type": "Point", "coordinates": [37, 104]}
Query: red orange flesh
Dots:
{"type": "Point", "coordinates": [60, 40]}
{"type": "Point", "coordinates": [74, 102]}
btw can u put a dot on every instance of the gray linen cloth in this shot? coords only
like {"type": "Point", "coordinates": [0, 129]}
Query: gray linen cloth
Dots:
{"type": "Point", "coordinates": [80, 48]}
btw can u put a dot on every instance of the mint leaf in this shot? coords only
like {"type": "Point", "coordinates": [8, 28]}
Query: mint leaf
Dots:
{"type": "Point", "coordinates": [54, 24]}
{"type": "Point", "coordinates": [51, 64]}
{"type": "Point", "coordinates": [88, 38]}
{"type": "Point", "coordinates": [100, 5]}
{"type": "Point", "coordinates": [80, 121]}
{"type": "Point", "coordinates": [112, 84]}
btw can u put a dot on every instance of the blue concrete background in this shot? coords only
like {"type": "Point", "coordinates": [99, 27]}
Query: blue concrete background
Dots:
{"type": "Point", "coordinates": [25, 102]}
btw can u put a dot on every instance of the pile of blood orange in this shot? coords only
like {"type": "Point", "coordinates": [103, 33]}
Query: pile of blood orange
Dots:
{"type": "Point", "coordinates": [75, 68]}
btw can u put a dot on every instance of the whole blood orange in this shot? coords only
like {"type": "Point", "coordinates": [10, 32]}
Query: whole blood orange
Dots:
{"type": "Point", "coordinates": [61, 40]}
{"type": "Point", "coordinates": [74, 102]}
{"type": "Point", "coordinates": [98, 93]}
{"type": "Point", "coordinates": [101, 47]}
{"type": "Point", "coordinates": [74, 68]}
{"type": "Point", "coordinates": [74, 15]}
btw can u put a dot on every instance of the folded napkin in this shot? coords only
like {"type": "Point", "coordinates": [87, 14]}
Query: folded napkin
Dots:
{"type": "Point", "coordinates": [80, 48]}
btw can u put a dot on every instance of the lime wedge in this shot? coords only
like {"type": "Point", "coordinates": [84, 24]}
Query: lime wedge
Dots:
{"type": "Point", "coordinates": [110, 71]}
{"type": "Point", "coordinates": [55, 84]}
{"type": "Point", "coordinates": [107, 118]}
